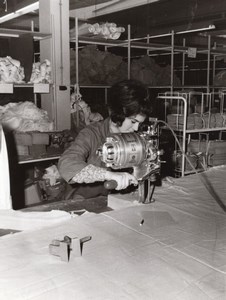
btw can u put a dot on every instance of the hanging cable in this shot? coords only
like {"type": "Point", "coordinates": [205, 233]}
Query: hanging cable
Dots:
{"type": "Point", "coordinates": [203, 178]}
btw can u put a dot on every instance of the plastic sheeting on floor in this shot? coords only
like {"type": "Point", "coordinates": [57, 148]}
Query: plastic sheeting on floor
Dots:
{"type": "Point", "coordinates": [174, 248]}
{"type": "Point", "coordinates": [5, 197]}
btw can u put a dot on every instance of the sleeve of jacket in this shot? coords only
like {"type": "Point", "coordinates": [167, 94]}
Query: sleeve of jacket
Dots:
{"type": "Point", "coordinates": [76, 157]}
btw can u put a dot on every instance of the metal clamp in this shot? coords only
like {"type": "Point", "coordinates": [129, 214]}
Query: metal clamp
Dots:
{"type": "Point", "coordinates": [63, 248]}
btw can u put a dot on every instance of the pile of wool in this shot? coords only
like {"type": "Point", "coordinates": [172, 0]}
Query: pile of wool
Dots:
{"type": "Point", "coordinates": [11, 70]}
{"type": "Point", "coordinates": [24, 116]}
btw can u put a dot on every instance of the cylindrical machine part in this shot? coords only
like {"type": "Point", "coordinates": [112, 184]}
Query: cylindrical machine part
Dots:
{"type": "Point", "coordinates": [125, 150]}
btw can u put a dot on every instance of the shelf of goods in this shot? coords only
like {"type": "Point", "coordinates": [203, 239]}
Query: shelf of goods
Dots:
{"type": "Point", "coordinates": [36, 146]}
{"type": "Point", "coordinates": [198, 121]}
{"type": "Point", "coordinates": [12, 73]}
{"type": "Point", "coordinates": [36, 77]}
{"type": "Point", "coordinates": [138, 60]}
{"type": "Point", "coordinates": [116, 60]}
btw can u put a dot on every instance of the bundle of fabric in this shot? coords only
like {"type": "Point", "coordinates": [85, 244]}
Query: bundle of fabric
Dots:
{"type": "Point", "coordinates": [220, 119]}
{"type": "Point", "coordinates": [108, 68]}
{"type": "Point", "coordinates": [198, 121]}
{"type": "Point", "coordinates": [209, 120]}
{"type": "Point", "coordinates": [189, 166]}
{"type": "Point", "coordinates": [150, 73]}
{"type": "Point", "coordinates": [105, 30]}
{"type": "Point", "coordinates": [41, 72]}
{"type": "Point", "coordinates": [176, 121]}
{"type": "Point", "coordinates": [217, 152]}
{"type": "Point", "coordinates": [197, 146]}
{"type": "Point", "coordinates": [11, 70]}
{"type": "Point", "coordinates": [81, 114]}
{"type": "Point", "coordinates": [212, 151]}
{"type": "Point", "coordinates": [24, 116]}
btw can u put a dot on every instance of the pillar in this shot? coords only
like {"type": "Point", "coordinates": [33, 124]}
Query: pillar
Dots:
{"type": "Point", "coordinates": [54, 19]}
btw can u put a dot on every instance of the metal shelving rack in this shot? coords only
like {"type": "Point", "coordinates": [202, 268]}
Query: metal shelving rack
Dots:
{"type": "Point", "coordinates": [156, 48]}
{"type": "Point", "coordinates": [38, 88]}
{"type": "Point", "coordinates": [181, 128]}
{"type": "Point", "coordinates": [8, 88]}
{"type": "Point", "coordinates": [171, 49]}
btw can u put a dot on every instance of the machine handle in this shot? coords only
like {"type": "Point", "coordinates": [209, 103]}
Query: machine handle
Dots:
{"type": "Point", "coordinates": [110, 184]}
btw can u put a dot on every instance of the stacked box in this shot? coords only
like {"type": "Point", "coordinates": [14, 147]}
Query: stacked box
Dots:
{"type": "Point", "coordinates": [31, 144]}
{"type": "Point", "coordinates": [37, 150]}
{"type": "Point", "coordinates": [23, 138]}
{"type": "Point", "coordinates": [39, 142]}
{"type": "Point", "coordinates": [32, 194]}
{"type": "Point", "coordinates": [23, 141]}
{"type": "Point", "coordinates": [40, 138]}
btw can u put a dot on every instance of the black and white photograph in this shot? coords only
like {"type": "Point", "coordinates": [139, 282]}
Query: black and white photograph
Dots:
{"type": "Point", "coordinates": [113, 149]}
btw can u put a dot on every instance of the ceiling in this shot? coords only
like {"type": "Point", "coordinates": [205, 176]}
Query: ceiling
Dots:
{"type": "Point", "coordinates": [164, 16]}
{"type": "Point", "coordinates": [153, 18]}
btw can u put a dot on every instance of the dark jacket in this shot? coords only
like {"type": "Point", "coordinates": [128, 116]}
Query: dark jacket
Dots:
{"type": "Point", "coordinates": [83, 151]}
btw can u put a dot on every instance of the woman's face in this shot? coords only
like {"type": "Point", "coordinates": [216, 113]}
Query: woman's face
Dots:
{"type": "Point", "coordinates": [131, 124]}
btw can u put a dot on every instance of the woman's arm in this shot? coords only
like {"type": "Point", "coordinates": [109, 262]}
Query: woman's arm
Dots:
{"type": "Point", "coordinates": [75, 158]}
{"type": "Point", "coordinates": [92, 173]}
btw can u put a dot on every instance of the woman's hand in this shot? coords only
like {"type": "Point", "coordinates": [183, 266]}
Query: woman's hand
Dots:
{"type": "Point", "coordinates": [123, 179]}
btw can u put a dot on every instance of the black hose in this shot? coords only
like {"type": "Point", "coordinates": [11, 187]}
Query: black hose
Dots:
{"type": "Point", "coordinates": [203, 178]}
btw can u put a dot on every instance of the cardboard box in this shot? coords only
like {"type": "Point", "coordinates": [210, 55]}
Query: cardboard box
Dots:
{"type": "Point", "coordinates": [22, 150]}
{"type": "Point", "coordinates": [40, 138]}
{"type": "Point", "coordinates": [23, 138]}
{"type": "Point", "coordinates": [32, 194]}
{"type": "Point", "coordinates": [37, 151]}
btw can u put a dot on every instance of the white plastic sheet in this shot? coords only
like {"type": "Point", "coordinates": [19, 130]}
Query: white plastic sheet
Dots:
{"type": "Point", "coordinates": [178, 252]}
{"type": "Point", "coordinates": [5, 197]}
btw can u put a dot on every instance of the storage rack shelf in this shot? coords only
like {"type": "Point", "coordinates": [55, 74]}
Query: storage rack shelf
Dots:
{"type": "Point", "coordinates": [8, 88]}
{"type": "Point", "coordinates": [5, 32]}
{"type": "Point", "coordinates": [36, 35]}
{"type": "Point", "coordinates": [183, 133]}
{"type": "Point", "coordinates": [36, 160]}
{"type": "Point", "coordinates": [155, 48]}
{"type": "Point", "coordinates": [38, 88]}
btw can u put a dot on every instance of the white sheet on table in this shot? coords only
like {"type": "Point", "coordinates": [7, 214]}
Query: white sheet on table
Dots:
{"type": "Point", "coordinates": [20, 220]}
{"type": "Point", "coordinates": [178, 253]}
{"type": "Point", "coordinates": [5, 197]}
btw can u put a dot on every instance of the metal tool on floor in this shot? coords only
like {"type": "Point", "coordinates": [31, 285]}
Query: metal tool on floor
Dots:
{"type": "Point", "coordinates": [68, 247]}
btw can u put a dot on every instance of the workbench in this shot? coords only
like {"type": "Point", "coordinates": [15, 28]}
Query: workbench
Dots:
{"type": "Point", "coordinates": [173, 248]}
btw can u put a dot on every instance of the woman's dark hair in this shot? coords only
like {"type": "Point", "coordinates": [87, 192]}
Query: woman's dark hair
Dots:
{"type": "Point", "coordinates": [128, 98]}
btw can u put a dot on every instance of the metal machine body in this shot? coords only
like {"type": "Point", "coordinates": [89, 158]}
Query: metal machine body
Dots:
{"type": "Point", "coordinates": [137, 150]}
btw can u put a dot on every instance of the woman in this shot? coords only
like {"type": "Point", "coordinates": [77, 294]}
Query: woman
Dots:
{"type": "Point", "coordinates": [80, 164]}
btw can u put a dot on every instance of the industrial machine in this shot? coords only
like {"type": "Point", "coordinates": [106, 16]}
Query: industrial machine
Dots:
{"type": "Point", "coordinates": [139, 150]}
